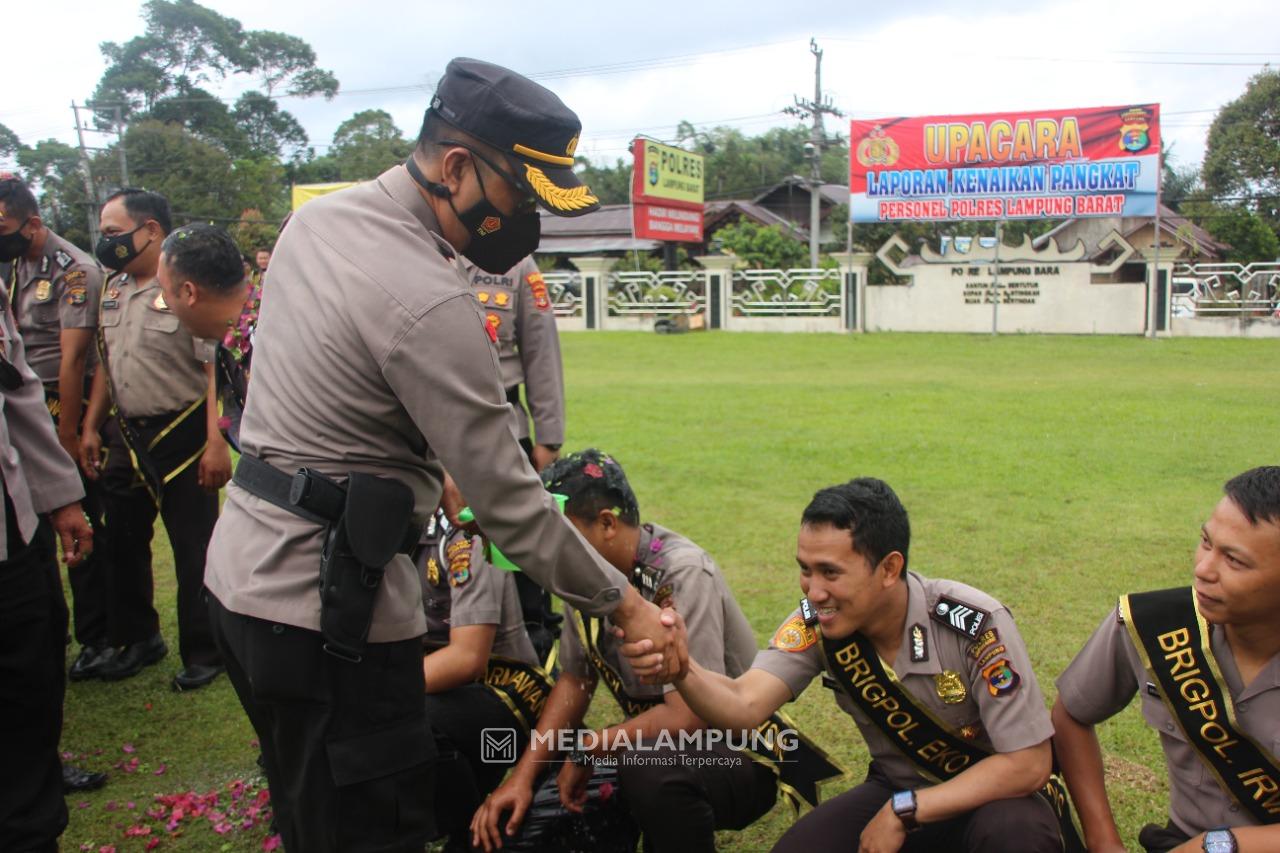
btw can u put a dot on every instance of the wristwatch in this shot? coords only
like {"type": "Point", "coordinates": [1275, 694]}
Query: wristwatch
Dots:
{"type": "Point", "coordinates": [579, 757]}
{"type": "Point", "coordinates": [1220, 840]}
{"type": "Point", "coordinates": [904, 806]}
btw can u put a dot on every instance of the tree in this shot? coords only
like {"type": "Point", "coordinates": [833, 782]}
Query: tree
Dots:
{"type": "Point", "coordinates": [196, 177]}
{"type": "Point", "coordinates": [367, 144]}
{"type": "Point", "coordinates": [610, 184]}
{"type": "Point", "coordinates": [1242, 157]}
{"type": "Point", "coordinates": [763, 247]}
{"type": "Point", "coordinates": [53, 168]}
{"type": "Point", "coordinates": [10, 144]}
{"type": "Point", "coordinates": [268, 130]}
{"type": "Point", "coordinates": [284, 61]}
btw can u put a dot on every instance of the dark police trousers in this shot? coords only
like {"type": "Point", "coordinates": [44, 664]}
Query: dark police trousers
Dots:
{"type": "Point", "coordinates": [1022, 825]}
{"type": "Point", "coordinates": [348, 753]}
{"type": "Point", "coordinates": [89, 579]}
{"type": "Point", "coordinates": [33, 657]}
{"type": "Point", "coordinates": [189, 514]}
{"type": "Point", "coordinates": [458, 718]}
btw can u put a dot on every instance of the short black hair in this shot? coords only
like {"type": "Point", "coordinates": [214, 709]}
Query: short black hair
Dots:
{"type": "Point", "coordinates": [17, 198]}
{"type": "Point", "coordinates": [206, 255]}
{"type": "Point", "coordinates": [142, 205]}
{"type": "Point", "coordinates": [592, 480]}
{"type": "Point", "coordinates": [1257, 493]}
{"type": "Point", "coordinates": [876, 520]}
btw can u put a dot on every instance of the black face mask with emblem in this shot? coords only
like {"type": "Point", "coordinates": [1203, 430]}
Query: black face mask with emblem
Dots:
{"type": "Point", "coordinates": [499, 241]}
{"type": "Point", "coordinates": [15, 245]}
{"type": "Point", "coordinates": [115, 252]}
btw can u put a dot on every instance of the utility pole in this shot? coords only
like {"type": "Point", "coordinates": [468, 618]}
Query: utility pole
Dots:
{"type": "Point", "coordinates": [91, 205]}
{"type": "Point", "coordinates": [124, 162]}
{"type": "Point", "coordinates": [817, 142]}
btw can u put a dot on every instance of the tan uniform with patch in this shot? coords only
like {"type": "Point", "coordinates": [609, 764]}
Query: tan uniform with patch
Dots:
{"type": "Point", "coordinates": [1108, 672]}
{"type": "Point", "coordinates": [371, 355]}
{"type": "Point", "coordinates": [59, 290]}
{"type": "Point", "coordinates": [720, 637]}
{"type": "Point", "coordinates": [517, 307]}
{"type": "Point", "coordinates": [983, 688]}
{"type": "Point", "coordinates": [156, 366]}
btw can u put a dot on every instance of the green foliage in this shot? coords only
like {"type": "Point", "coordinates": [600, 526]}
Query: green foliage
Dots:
{"type": "Point", "coordinates": [611, 184]}
{"type": "Point", "coordinates": [763, 247]}
{"type": "Point", "coordinates": [10, 144]}
{"type": "Point", "coordinates": [1249, 236]}
{"type": "Point", "coordinates": [1242, 155]}
{"type": "Point", "coordinates": [367, 144]}
{"type": "Point", "coordinates": [196, 177]}
{"type": "Point", "coordinates": [269, 131]}
{"type": "Point", "coordinates": [253, 232]}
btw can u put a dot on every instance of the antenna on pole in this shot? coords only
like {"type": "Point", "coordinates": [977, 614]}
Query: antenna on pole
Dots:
{"type": "Point", "coordinates": [814, 110]}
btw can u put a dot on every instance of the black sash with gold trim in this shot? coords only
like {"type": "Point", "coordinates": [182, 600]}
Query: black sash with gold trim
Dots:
{"type": "Point", "coordinates": [522, 688]}
{"type": "Point", "coordinates": [800, 765]}
{"type": "Point", "coordinates": [938, 752]}
{"type": "Point", "coordinates": [1173, 640]}
{"type": "Point", "coordinates": [170, 451]}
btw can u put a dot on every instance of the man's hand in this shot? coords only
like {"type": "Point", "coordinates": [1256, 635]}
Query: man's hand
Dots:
{"type": "Point", "coordinates": [543, 456]}
{"type": "Point", "coordinates": [513, 795]}
{"type": "Point", "coordinates": [654, 640]}
{"type": "Point", "coordinates": [73, 530]}
{"type": "Point", "coordinates": [885, 833]}
{"type": "Point", "coordinates": [452, 502]}
{"type": "Point", "coordinates": [572, 783]}
{"type": "Point", "coordinates": [215, 466]}
{"type": "Point", "coordinates": [90, 455]}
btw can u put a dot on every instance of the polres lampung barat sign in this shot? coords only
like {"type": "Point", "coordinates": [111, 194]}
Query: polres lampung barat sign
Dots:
{"type": "Point", "coordinates": [1098, 161]}
{"type": "Point", "coordinates": [666, 192]}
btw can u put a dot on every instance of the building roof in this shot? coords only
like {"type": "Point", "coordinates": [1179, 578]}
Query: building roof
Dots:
{"type": "Point", "coordinates": [1172, 223]}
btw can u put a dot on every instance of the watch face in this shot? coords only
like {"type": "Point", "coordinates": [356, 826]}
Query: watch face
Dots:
{"type": "Point", "coordinates": [1219, 841]}
{"type": "Point", "coordinates": [903, 802]}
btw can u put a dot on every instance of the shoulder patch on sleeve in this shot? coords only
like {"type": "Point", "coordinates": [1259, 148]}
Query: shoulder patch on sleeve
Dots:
{"type": "Point", "coordinates": [459, 555]}
{"type": "Point", "coordinates": [965, 619]}
{"type": "Point", "coordinates": [538, 289]}
{"type": "Point", "coordinates": [794, 635]}
{"type": "Point", "coordinates": [64, 260]}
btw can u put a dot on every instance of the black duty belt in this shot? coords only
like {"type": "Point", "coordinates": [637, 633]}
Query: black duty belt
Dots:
{"type": "Point", "coordinates": [305, 494]}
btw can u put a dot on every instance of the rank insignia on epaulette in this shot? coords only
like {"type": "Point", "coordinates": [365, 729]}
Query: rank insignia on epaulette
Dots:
{"type": "Point", "coordinates": [1152, 690]}
{"type": "Point", "coordinates": [807, 613]}
{"type": "Point", "coordinates": [44, 265]}
{"type": "Point", "coordinates": [794, 635]}
{"type": "Point", "coordinates": [919, 644]}
{"type": "Point", "coordinates": [501, 299]}
{"type": "Point", "coordinates": [64, 260]}
{"type": "Point", "coordinates": [73, 277]}
{"type": "Point", "coordinates": [962, 618]}
{"type": "Point", "coordinates": [646, 579]}
{"type": "Point", "coordinates": [44, 289]}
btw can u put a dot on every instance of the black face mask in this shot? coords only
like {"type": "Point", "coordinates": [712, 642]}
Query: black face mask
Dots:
{"type": "Point", "coordinates": [499, 241]}
{"type": "Point", "coordinates": [15, 245]}
{"type": "Point", "coordinates": [117, 251]}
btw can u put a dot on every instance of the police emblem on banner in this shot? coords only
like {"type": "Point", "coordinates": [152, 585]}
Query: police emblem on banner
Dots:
{"type": "Point", "coordinates": [1134, 127]}
{"type": "Point", "coordinates": [877, 149]}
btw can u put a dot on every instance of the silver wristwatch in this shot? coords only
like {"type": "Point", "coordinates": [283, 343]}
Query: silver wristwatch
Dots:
{"type": "Point", "coordinates": [1220, 840]}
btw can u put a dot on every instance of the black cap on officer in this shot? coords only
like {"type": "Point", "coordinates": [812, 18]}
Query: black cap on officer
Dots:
{"type": "Point", "coordinates": [523, 120]}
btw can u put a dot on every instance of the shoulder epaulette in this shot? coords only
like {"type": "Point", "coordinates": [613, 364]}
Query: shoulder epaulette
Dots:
{"type": "Point", "coordinates": [64, 260]}
{"type": "Point", "coordinates": [965, 619]}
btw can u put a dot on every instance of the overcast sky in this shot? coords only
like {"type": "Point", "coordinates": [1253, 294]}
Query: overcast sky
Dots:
{"type": "Point", "coordinates": [631, 68]}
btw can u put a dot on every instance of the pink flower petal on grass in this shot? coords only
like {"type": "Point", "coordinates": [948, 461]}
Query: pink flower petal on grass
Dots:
{"type": "Point", "coordinates": [137, 830]}
{"type": "Point", "coordinates": [153, 844]}
{"type": "Point", "coordinates": [128, 747]}
{"type": "Point", "coordinates": [271, 842]}
{"type": "Point", "coordinates": [159, 771]}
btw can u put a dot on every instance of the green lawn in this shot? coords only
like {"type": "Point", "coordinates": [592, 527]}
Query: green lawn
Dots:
{"type": "Point", "coordinates": [1053, 472]}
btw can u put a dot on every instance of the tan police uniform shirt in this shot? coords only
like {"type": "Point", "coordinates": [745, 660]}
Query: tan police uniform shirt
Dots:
{"type": "Point", "coordinates": [998, 712]}
{"type": "Point", "coordinates": [371, 355]}
{"type": "Point", "coordinates": [1106, 674]}
{"type": "Point", "coordinates": [672, 568]}
{"type": "Point", "coordinates": [463, 588]}
{"type": "Point", "coordinates": [35, 471]}
{"type": "Point", "coordinates": [517, 307]}
{"type": "Point", "coordinates": [59, 290]}
{"type": "Point", "coordinates": [156, 366]}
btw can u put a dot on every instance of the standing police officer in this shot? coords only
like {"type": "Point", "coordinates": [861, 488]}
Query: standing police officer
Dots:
{"type": "Point", "coordinates": [54, 289]}
{"type": "Point", "coordinates": [41, 494]}
{"type": "Point", "coordinates": [168, 454]}
{"type": "Point", "coordinates": [373, 368]}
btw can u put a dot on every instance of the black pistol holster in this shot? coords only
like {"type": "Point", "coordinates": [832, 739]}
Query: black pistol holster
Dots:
{"type": "Point", "coordinates": [367, 522]}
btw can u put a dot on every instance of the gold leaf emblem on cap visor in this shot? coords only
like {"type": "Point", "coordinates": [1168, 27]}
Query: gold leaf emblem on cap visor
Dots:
{"type": "Point", "coordinates": [571, 147]}
{"type": "Point", "coordinates": [558, 197]}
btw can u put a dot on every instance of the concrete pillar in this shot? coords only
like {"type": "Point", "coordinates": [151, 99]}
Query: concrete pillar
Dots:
{"type": "Point", "coordinates": [595, 288]}
{"type": "Point", "coordinates": [853, 276]}
{"type": "Point", "coordinates": [719, 276]}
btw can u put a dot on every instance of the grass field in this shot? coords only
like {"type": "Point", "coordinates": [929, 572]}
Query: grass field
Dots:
{"type": "Point", "coordinates": [1053, 472]}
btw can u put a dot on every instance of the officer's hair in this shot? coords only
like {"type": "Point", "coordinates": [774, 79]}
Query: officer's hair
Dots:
{"type": "Point", "coordinates": [592, 480]}
{"type": "Point", "coordinates": [435, 130]}
{"type": "Point", "coordinates": [870, 511]}
{"type": "Point", "coordinates": [142, 205]}
{"type": "Point", "coordinates": [1257, 493]}
{"type": "Point", "coordinates": [204, 254]}
{"type": "Point", "coordinates": [18, 200]}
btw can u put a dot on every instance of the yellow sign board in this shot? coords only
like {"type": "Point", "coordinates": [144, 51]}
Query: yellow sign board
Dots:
{"type": "Point", "coordinates": [303, 193]}
{"type": "Point", "coordinates": [669, 173]}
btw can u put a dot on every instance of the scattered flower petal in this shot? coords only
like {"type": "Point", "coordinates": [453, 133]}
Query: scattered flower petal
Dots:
{"type": "Point", "coordinates": [593, 471]}
{"type": "Point", "coordinates": [128, 747]}
{"type": "Point", "coordinates": [271, 842]}
{"type": "Point", "coordinates": [159, 771]}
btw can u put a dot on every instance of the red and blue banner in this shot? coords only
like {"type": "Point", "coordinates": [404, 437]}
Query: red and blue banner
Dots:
{"type": "Point", "coordinates": [1048, 164]}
